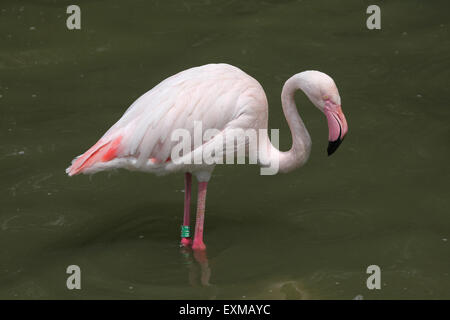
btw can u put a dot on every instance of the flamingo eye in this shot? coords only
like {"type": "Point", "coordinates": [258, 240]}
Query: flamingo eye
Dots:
{"type": "Point", "coordinates": [326, 97]}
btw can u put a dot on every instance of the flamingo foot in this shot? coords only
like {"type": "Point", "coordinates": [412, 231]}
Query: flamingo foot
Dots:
{"type": "Point", "coordinates": [198, 245]}
{"type": "Point", "coordinates": [186, 242]}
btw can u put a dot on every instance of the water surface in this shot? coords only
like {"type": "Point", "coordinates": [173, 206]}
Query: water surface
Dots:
{"type": "Point", "coordinates": [381, 199]}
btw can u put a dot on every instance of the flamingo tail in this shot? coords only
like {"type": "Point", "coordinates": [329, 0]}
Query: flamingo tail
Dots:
{"type": "Point", "coordinates": [102, 151]}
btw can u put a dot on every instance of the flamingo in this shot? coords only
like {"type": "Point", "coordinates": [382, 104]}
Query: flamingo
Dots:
{"type": "Point", "coordinates": [220, 96]}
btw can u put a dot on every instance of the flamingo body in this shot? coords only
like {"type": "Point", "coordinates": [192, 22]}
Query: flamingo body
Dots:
{"type": "Point", "coordinates": [220, 96]}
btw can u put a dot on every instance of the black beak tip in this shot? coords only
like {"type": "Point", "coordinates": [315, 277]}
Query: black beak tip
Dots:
{"type": "Point", "coordinates": [333, 145]}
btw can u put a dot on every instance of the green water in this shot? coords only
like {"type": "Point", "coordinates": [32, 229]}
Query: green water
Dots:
{"type": "Point", "coordinates": [382, 199]}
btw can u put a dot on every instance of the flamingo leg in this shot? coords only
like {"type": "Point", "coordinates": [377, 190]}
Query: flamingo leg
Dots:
{"type": "Point", "coordinates": [198, 238]}
{"type": "Point", "coordinates": [185, 228]}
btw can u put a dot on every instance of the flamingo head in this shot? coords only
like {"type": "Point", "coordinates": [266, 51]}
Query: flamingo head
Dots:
{"type": "Point", "coordinates": [323, 93]}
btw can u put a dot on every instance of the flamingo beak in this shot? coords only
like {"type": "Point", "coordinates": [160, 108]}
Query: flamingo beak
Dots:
{"type": "Point", "coordinates": [337, 126]}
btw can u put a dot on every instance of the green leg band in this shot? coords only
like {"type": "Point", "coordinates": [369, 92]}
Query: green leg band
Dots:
{"type": "Point", "coordinates": [185, 231]}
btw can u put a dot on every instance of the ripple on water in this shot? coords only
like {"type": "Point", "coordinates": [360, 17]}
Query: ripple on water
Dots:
{"type": "Point", "coordinates": [330, 224]}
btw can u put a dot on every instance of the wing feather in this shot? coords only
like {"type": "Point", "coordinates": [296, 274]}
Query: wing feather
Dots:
{"type": "Point", "coordinates": [211, 94]}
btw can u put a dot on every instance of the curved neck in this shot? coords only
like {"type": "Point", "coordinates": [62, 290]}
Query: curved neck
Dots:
{"type": "Point", "coordinates": [301, 141]}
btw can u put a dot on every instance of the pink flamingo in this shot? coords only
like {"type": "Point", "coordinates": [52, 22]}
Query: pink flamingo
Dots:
{"type": "Point", "coordinates": [220, 96]}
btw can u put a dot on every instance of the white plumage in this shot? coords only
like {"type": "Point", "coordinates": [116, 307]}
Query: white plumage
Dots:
{"type": "Point", "coordinates": [236, 101]}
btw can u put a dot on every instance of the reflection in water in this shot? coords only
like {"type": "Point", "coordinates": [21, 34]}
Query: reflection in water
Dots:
{"type": "Point", "coordinates": [200, 273]}
{"type": "Point", "coordinates": [198, 265]}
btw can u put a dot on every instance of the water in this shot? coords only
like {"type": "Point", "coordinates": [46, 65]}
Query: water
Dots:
{"type": "Point", "coordinates": [381, 199]}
